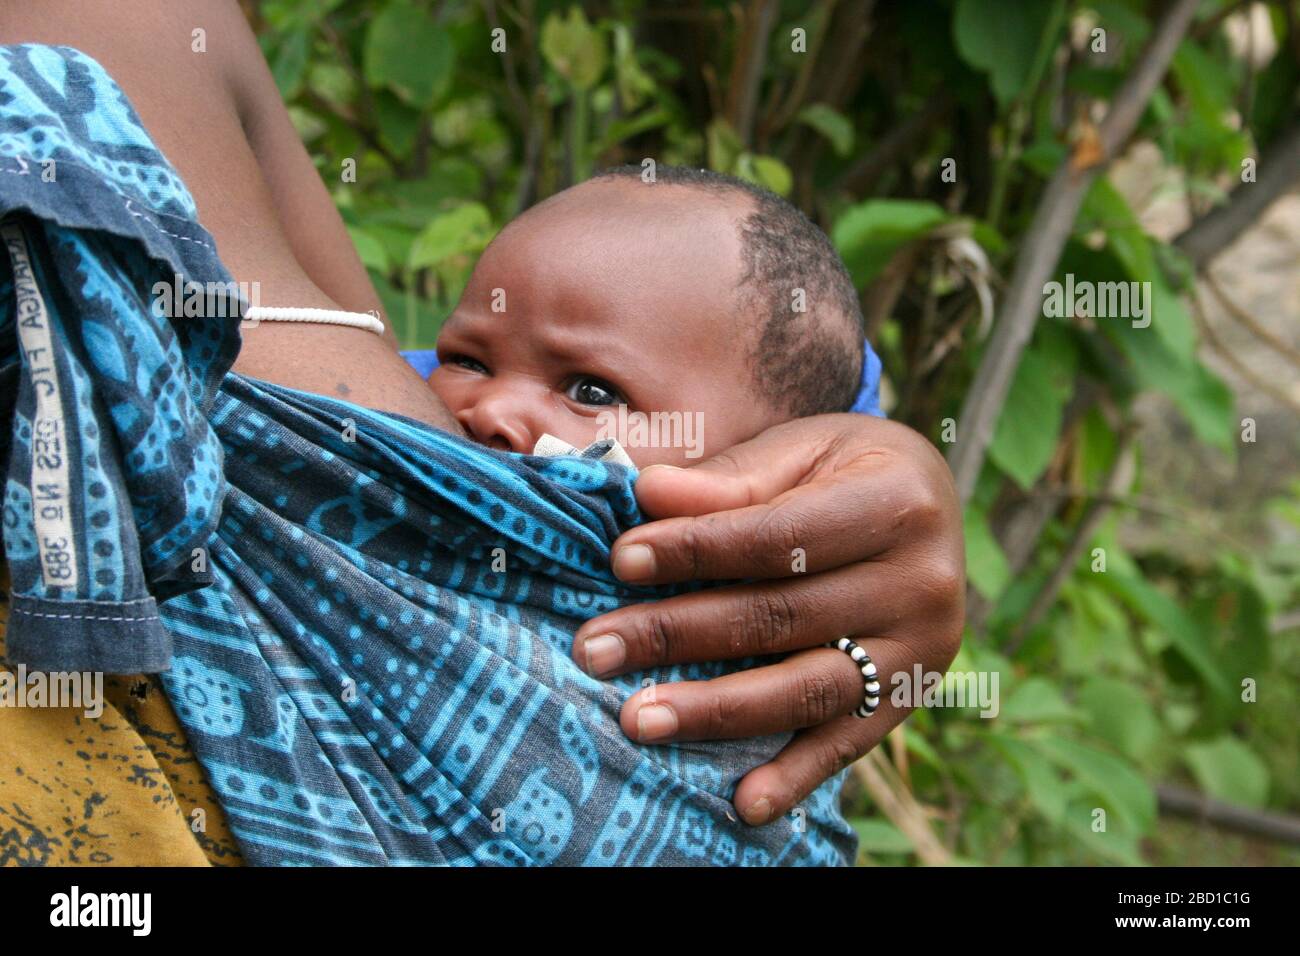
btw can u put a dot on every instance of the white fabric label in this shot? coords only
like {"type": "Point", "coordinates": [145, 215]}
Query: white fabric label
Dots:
{"type": "Point", "coordinates": [51, 507]}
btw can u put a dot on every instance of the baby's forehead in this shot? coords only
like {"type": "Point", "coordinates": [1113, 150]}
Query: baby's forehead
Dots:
{"type": "Point", "coordinates": [619, 240]}
{"type": "Point", "coordinates": [639, 213]}
{"type": "Point", "coordinates": [628, 267]}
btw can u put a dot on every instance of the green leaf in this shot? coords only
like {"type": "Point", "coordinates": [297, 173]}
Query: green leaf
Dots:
{"type": "Point", "coordinates": [880, 836]}
{"type": "Point", "coordinates": [1026, 434]}
{"type": "Point", "coordinates": [1112, 779]}
{"type": "Point", "coordinates": [370, 249]}
{"type": "Point", "coordinates": [1095, 628]}
{"type": "Point", "coordinates": [626, 128]}
{"type": "Point", "coordinates": [1199, 394]}
{"type": "Point", "coordinates": [1185, 633]}
{"type": "Point", "coordinates": [922, 748]}
{"type": "Point", "coordinates": [1106, 209]}
{"type": "Point", "coordinates": [832, 124]}
{"type": "Point", "coordinates": [574, 48]}
{"type": "Point", "coordinates": [334, 84]}
{"type": "Point", "coordinates": [634, 84]}
{"type": "Point", "coordinates": [767, 171]}
{"type": "Point", "coordinates": [1047, 792]}
{"type": "Point", "coordinates": [1002, 38]}
{"type": "Point", "coordinates": [986, 565]}
{"type": "Point", "coordinates": [409, 54]}
{"type": "Point", "coordinates": [1274, 97]}
{"type": "Point", "coordinates": [398, 123]}
{"type": "Point", "coordinates": [1044, 156]}
{"type": "Point", "coordinates": [396, 240]}
{"type": "Point", "coordinates": [724, 146]}
{"type": "Point", "coordinates": [1121, 716]}
{"type": "Point", "coordinates": [1204, 79]}
{"type": "Point", "coordinates": [1228, 770]}
{"type": "Point", "coordinates": [868, 234]}
{"type": "Point", "coordinates": [1038, 700]}
{"type": "Point", "coordinates": [290, 63]}
{"type": "Point", "coordinates": [466, 228]}
{"type": "Point", "coordinates": [414, 319]}
{"type": "Point", "coordinates": [1098, 446]}
{"type": "Point", "coordinates": [1118, 16]}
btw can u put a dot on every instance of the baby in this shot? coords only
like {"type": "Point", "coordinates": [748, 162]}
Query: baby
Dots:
{"type": "Point", "coordinates": [679, 317]}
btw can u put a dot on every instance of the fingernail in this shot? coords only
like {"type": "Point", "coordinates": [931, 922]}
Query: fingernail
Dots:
{"type": "Point", "coordinates": [636, 562]}
{"type": "Point", "coordinates": [759, 812]}
{"type": "Point", "coordinates": [653, 467]}
{"type": "Point", "coordinates": [655, 722]}
{"type": "Point", "coordinates": [605, 654]}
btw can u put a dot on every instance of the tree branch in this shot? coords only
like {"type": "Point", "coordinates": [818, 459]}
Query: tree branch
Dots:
{"type": "Point", "coordinates": [1041, 249]}
{"type": "Point", "coordinates": [747, 69]}
{"type": "Point", "coordinates": [900, 140]}
{"type": "Point", "coordinates": [1278, 170]}
{"type": "Point", "coordinates": [1183, 802]}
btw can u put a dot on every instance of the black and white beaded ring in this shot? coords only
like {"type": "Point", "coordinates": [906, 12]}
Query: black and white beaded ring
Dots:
{"type": "Point", "coordinates": [871, 688]}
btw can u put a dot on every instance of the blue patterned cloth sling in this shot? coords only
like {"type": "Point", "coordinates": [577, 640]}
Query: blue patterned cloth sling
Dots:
{"type": "Point", "coordinates": [364, 622]}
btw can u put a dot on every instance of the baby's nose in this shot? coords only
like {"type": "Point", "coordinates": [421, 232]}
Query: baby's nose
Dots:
{"type": "Point", "coordinates": [498, 422]}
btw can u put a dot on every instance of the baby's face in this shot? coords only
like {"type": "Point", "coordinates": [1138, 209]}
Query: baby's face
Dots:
{"type": "Point", "coordinates": [616, 293]}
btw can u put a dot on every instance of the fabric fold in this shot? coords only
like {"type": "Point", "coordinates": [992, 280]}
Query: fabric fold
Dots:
{"type": "Point", "coordinates": [113, 474]}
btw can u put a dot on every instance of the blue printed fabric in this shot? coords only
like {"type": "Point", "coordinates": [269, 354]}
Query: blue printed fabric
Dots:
{"type": "Point", "coordinates": [364, 623]}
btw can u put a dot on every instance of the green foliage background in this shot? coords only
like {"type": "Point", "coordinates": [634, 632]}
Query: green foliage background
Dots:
{"type": "Point", "coordinates": [1132, 677]}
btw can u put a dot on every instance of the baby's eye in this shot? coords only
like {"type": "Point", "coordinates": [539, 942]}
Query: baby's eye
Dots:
{"type": "Point", "coordinates": [592, 391]}
{"type": "Point", "coordinates": [464, 361]}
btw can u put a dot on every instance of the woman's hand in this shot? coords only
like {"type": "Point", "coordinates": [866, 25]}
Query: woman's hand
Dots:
{"type": "Point", "coordinates": [853, 525]}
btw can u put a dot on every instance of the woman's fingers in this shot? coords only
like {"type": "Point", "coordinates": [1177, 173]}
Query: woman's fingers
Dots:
{"type": "Point", "coordinates": [815, 754]}
{"type": "Point", "coordinates": [820, 525]}
{"type": "Point", "coordinates": [743, 620]}
{"type": "Point", "coordinates": [817, 689]}
{"type": "Point", "coordinates": [751, 473]}
{"type": "Point", "coordinates": [805, 689]}
{"type": "Point", "coordinates": [773, 507]}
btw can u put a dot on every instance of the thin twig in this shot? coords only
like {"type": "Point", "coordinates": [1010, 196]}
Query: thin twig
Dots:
{"type": "Point", "coordinates": [900, 140]}
{"type": "Point", "coordinates": [1117, 479]}
{"type": "Point", "coordinates": [1243, 317]}
{"type": "Point", "coordinates": [901, 809]}
{"type": "Point", "coordinates": [1216, 344]}
{"type": "Point", "coordinates": [1212, 22]}
{"type": "Point", "coordinates": [782, 116]}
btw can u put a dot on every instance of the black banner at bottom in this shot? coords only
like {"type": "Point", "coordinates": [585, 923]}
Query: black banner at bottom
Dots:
{"type": "Point", "coordinates": [671, 905]}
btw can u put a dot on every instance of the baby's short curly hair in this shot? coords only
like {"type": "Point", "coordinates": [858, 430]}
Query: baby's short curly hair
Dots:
{"type": "Point", "coordinates": [809, 362]}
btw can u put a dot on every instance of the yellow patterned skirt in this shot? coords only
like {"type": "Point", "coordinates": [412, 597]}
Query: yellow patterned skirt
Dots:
{"type": "Point", "coordinates": [121, 789]}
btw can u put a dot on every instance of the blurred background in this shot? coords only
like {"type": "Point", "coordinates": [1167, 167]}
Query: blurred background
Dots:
{"type": "Point", "coordinates": [1133, 532]}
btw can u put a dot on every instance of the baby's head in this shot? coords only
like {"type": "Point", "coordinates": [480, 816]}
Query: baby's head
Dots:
{"type": "Point", "coordinates": [697, 294]}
